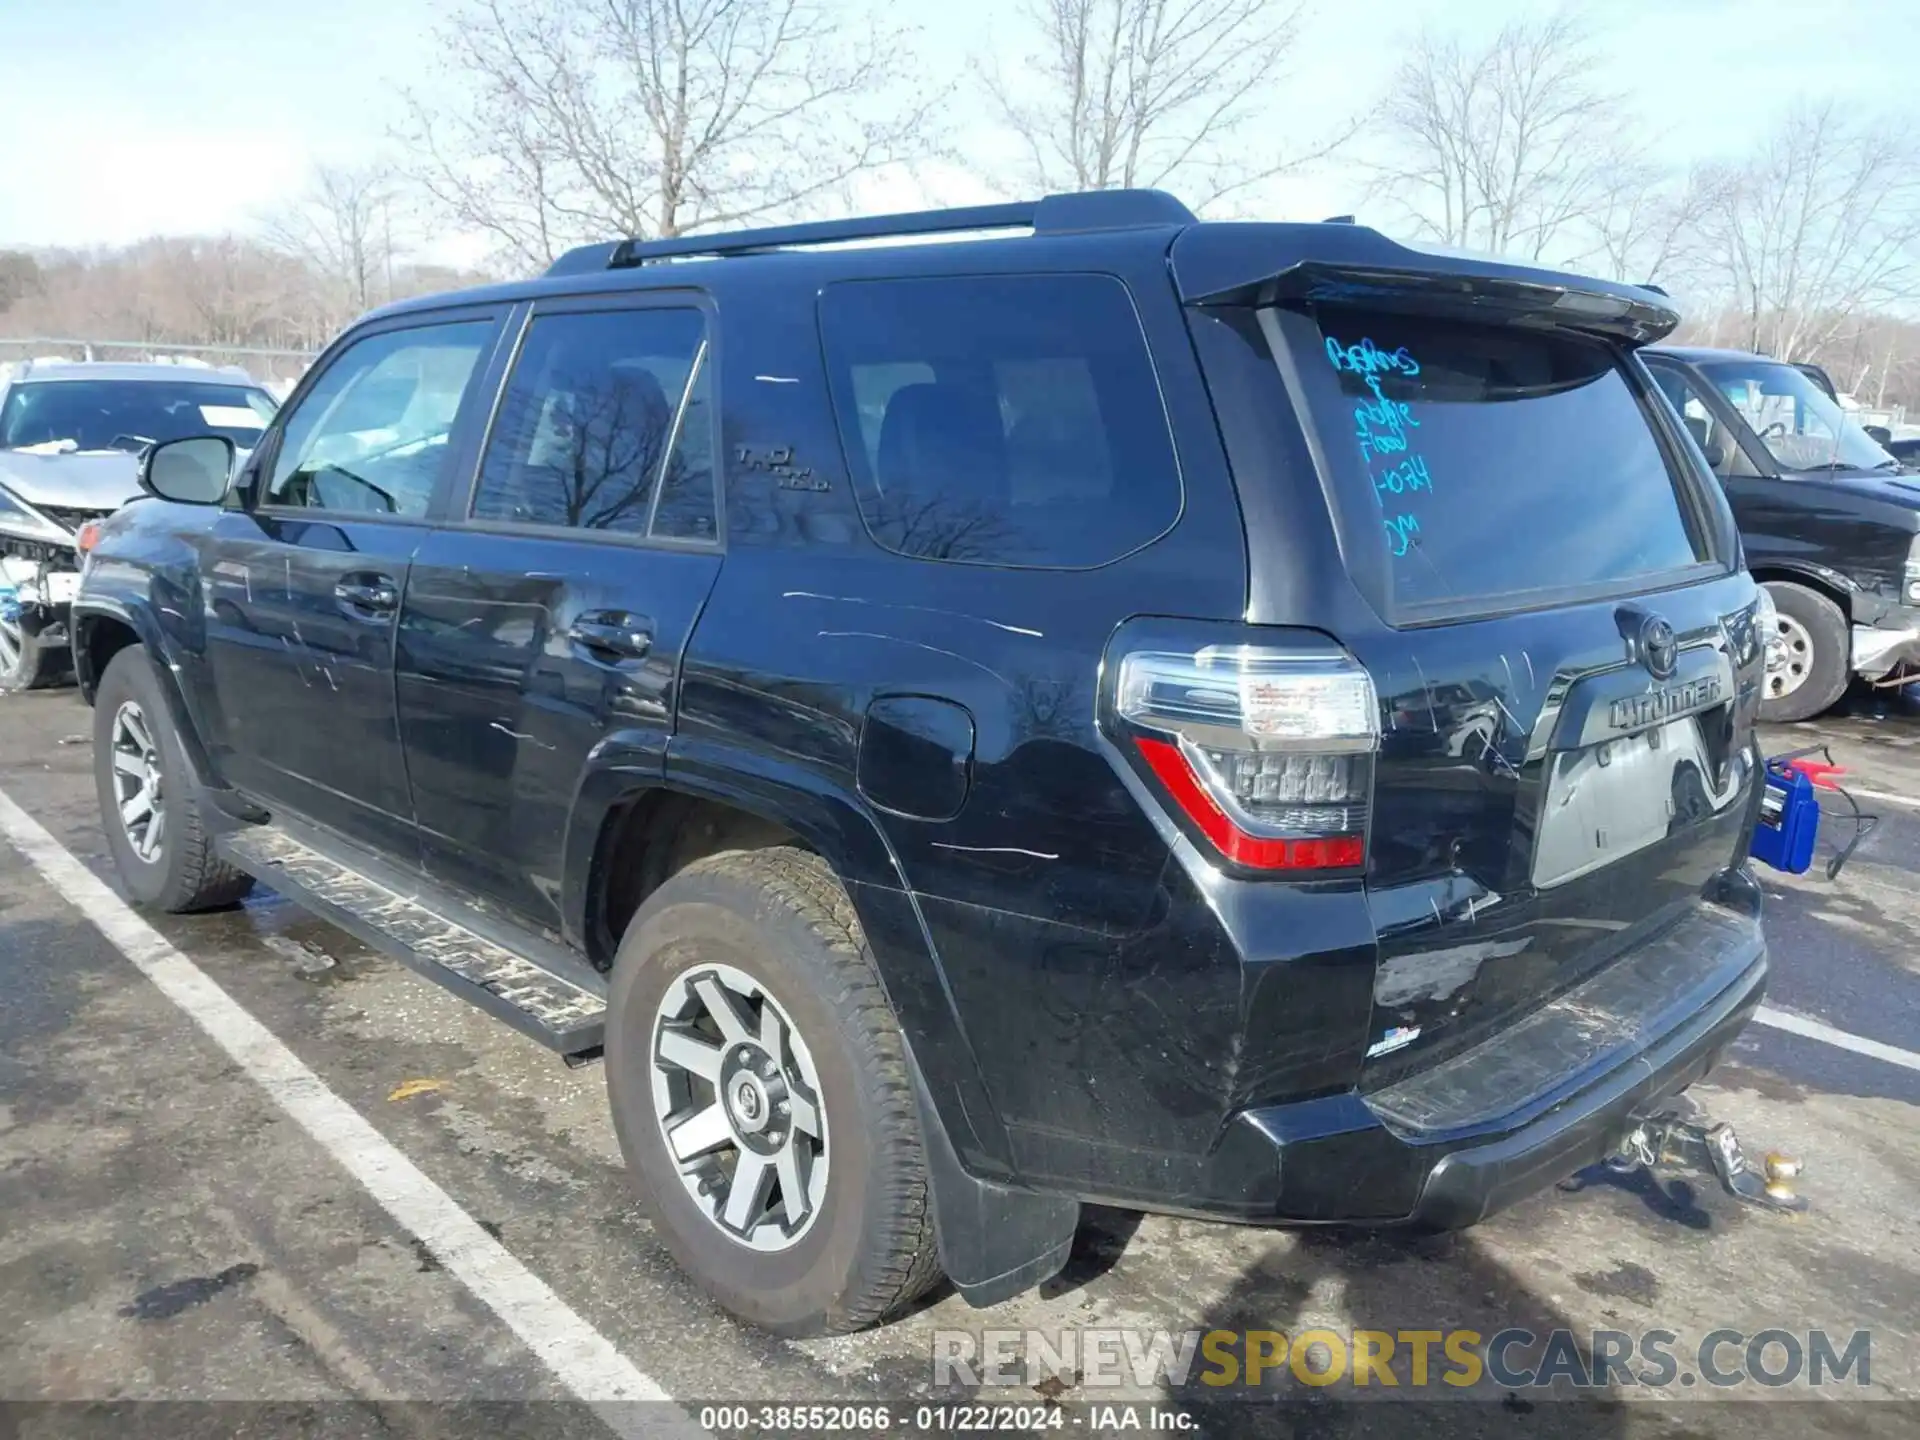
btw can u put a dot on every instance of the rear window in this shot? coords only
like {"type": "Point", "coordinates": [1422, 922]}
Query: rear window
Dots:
{"type": "Point", "coordinates": [1492, 461]}
{"type": "Point", "coordinates": [1003, 420]}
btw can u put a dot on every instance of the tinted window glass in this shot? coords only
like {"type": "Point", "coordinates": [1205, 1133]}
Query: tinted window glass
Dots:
{"type": "Point", "coordinates": [371, 435]}
{"type": "Point", "coordinates": [584, 427]}
{"type": "Point", "coordinates": [1720, 448]}
{"type": "Point", "coordinates": [686, 509]}
{"type": "Point", "coordinates": [62, 415]}
{"type": "Point", "coordinates": [1008, 420]}
{"type": "Point", "coordinates": [1495, 460]}
{"type": "Point", "coordinates": [1801, 425]}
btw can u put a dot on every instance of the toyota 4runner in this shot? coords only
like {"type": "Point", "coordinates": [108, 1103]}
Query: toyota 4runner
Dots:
{"type": "Point", "coordinates": [1240, 720]}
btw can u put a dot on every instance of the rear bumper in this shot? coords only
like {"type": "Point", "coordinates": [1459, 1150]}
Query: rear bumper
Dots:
{"type": "Point", "coordinates": [1466, 1185]}
{"type": "Point", "coordinates": [1547, 1097]}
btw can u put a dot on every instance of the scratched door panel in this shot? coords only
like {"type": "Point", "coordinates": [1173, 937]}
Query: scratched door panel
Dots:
{"type": "Point", "coordinates": [500, 706]}
{"type": "Point", "coordinates": [282, 632]}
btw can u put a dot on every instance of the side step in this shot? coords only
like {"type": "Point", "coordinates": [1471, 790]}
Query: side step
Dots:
{"type": "Point", "coordinates": [567, 1018]}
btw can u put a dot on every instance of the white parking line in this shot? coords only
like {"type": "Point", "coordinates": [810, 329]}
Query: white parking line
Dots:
{"type": "Point", "coordinates": [1887, 795]}
{"type": "Point", "coordinates": [580, 1357]}
{"type": "Point", "coordinates": [1844, 1039]}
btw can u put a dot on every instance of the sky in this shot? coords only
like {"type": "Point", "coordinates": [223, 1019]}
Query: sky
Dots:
{"type": "Point", "coordinates": [129, 118]}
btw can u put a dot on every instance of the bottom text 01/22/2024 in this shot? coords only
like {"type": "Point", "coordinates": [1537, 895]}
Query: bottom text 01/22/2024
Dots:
{"type": "Point", "coordinates": [958, 1418]}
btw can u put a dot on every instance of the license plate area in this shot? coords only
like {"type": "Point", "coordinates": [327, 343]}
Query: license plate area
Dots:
{"type": "Point", "coordinates": [1608, 800]}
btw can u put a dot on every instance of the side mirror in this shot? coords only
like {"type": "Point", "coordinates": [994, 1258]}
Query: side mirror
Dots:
{"type": "Point", "coordinates": [1715, 449]}
{"type": "Point", "coordinates": [1879, 434]}
{"type": "Point", "coordinates": [192, 471]}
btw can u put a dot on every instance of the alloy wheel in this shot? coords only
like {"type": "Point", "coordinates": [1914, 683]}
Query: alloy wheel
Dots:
{"type": "Point", "coordinates": [1789, 657]}
{"type": "Point", "coordinates": [737, 1098]}
{"type": "Point", "coordinates": [13, 642]}
{"type": "Point", "coordinates": [137, 787]}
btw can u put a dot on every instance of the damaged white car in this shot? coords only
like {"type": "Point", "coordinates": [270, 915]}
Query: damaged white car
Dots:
{"type": "Point", "coordinates": [71, 434]}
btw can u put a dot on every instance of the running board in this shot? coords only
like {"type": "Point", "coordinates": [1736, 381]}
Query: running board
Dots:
{"type": "Point", "coordinates": [562, 1016]}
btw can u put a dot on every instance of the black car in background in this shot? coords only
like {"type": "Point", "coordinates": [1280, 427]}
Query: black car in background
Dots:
{"type": "Point", "coordinates": [1828, 517]}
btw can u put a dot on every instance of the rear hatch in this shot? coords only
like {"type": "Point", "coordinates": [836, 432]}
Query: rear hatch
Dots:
{"type": "Point", "coordinates": [1543, 584]}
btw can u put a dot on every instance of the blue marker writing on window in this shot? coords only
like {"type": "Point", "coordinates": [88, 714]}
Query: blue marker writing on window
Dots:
{"type": "Point", "coordinates": [1381, 427]}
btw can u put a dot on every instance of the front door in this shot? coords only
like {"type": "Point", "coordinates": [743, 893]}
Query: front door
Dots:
{"type": "Point", "coordinates": [304, 583]}
{"type": "Point", "coordinates": [546, 627]}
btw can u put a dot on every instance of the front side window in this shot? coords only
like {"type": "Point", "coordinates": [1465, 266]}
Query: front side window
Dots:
{"type": "Point", "coordinates": [1005, 420]}
{"type": "Point", "coordinates": [586, 434]}
{"type": "Point", "coordinates": [371, 435]}
{"type": "Point", "coordinates": [57, 416]}
{"type": "Point", "coordinates": [1491, 460]}
{"type": "Point", "coordinates": [1801, 425]}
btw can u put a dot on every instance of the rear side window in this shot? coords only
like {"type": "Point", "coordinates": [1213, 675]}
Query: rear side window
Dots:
{"type": "Point", "coordinates": [1492, 461]}
{"type": "Point", "coordinates": [1002, 420]}
{"type": "Point", "coordinates": [593, 428]}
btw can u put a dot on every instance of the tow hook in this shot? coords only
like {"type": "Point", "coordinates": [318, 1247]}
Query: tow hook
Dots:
{"type": "Point", "coordinates": [1678, 1133]}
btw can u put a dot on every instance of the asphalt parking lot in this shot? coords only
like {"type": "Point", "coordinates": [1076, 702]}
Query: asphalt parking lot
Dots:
{"type": "Point", "coordinates": [357, 1189]}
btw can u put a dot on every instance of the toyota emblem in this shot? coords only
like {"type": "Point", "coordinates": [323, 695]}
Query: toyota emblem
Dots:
{"type": "Point", "coordinates": [1659, 650]}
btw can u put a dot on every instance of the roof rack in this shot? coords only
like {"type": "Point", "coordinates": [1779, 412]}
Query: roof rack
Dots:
{"type": "Point", "coordinates": [1055, 215]}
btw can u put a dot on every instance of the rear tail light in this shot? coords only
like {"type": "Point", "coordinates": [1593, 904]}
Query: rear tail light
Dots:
{"type": "Point", "coordinates": [1268, 753]}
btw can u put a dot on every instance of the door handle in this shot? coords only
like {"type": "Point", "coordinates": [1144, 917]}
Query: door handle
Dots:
{"type": "Point", "coordinates": [376, 593]}
{"type": "Point", "coordinates": [629, 637]}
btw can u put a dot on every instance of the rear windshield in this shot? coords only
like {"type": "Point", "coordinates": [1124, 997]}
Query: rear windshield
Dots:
{"type": "Point", "coordinates": [1491, 460]}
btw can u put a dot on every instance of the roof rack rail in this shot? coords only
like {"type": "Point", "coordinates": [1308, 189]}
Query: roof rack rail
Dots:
{"type": "Point", "coordinates": [1056, 214]}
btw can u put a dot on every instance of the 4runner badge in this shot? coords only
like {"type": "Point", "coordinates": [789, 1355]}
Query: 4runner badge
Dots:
{"type": "Point", "coordinates": [1636, 712]}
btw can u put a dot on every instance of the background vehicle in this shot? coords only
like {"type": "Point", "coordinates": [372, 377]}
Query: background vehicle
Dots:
{"type": "Point", "coordinates": [1118, 712]}
{"type": "Point", "coordinates": [69, 435]}
{"type": "Point", "coordinates": [1828, 520]}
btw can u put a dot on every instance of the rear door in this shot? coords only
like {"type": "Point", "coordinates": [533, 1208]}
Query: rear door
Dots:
{"type": "Point", "coordinates": [1564, 653]}
{"type": "Point", "coordinates": [545, 625]}
{"type": "Point", "coordinates": [304, 583]}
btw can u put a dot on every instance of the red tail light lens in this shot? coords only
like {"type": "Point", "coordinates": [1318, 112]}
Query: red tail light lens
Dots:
{"type": "Point", "coordinates": [1267, 753]}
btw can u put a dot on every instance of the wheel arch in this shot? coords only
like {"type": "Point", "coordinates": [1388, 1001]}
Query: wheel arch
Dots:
{"type": "Point", "coordinates": [1818, 578]}
{"type": "Point", "coordinates": [782, 804]}
{"type": "Point", "coordinates": [99, 635]}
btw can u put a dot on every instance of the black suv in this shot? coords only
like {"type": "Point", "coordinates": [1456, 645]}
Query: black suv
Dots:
{"type": "Point", "coordinates": [1243, 720]}
{"type": "Point", "coordinates": [1830, 521]}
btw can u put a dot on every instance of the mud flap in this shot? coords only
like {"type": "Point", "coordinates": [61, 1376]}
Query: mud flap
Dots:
{"type": "Point", "coordinates": [995, 1240]}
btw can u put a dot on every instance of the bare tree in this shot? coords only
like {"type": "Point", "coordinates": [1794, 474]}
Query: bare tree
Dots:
{"type": "Point", "coordinates": [1645, 221]}
{"type": "Point", "coordinates": [1152, 93]}
{"type": "Point", "coordinates": [1507, 146]}
{"type": "Point", "coordinates": [587, 119]}
{"type": "Point", "coordinates": [343, 227]}
{"type": "Point", "coordinates": [1820, 226]}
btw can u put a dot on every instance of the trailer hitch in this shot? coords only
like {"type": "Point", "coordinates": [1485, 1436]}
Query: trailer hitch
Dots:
{"type": "Point", "coordinates": [1677, 1132]}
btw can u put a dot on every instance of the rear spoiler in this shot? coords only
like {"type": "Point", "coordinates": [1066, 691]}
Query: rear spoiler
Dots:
{"type": "Point", "coordinates": [1237, 269]}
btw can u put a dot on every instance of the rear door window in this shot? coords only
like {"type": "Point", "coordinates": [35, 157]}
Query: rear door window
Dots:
{"type": "Point", "coordinates": [595, 420]}
{"type": "Point", "coordinates": [1002, 420]}
{"type": "Point", "coordinates": [1493, 461]}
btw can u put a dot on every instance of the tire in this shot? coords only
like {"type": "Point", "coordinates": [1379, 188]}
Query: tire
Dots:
{"type": "Point", "coordinates": [775, 919]}
{"type": "Point", "coordinates": [28, 663]}
{"type": "Point", "coordinates": [180, 872]}
{"type": "Point", "coordinates": [1818, 657]}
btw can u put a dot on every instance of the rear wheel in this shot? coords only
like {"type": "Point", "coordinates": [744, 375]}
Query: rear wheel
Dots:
{"type": "Point", "coordinates": [1808, 657]}
{"type": "Point", "coordinates": [761, 1095]}
{"type": "Point", "coordinates": [157, 818]}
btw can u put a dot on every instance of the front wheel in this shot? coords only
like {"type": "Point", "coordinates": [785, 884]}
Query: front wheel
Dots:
{"type": "Point", "coordinates": [157, 818]}
{"type": "Point", "coordinates": [762, 1099]}
{"type": "Point", "coordinates": [26, 663]}
{"type": "Point", "coordinates": [1808, 657]}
